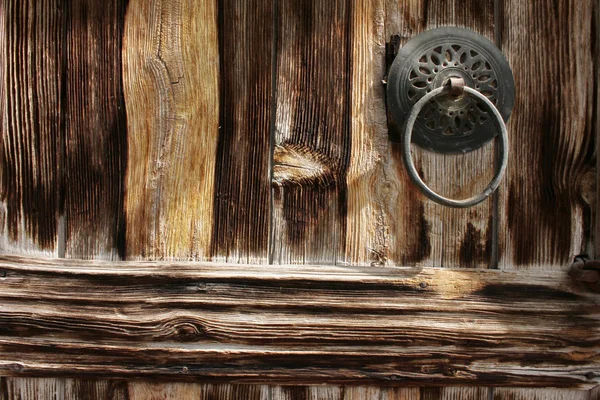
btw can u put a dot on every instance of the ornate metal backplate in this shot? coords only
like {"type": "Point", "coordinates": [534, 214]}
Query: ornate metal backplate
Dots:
{"type": "Point", "coordinates": [450, 124]}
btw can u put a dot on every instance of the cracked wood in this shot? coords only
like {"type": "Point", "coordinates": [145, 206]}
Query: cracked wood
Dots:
{"type": "Point", "coordinates": [297, 324]}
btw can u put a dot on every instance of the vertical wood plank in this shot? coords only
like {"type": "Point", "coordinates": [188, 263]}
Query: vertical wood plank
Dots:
{"type": "Point", "coordinates": [171, 83]}
{"type": "Point", "coordinates": [455, 393]}
{"type": "Point", "coordinates": [545, 217]}
{"type": "Point", "coordinates": [78, 389]}
{"type": "Point", "coordinates": [164, 391]}
{"type": "Point", "coordinates": [312, 138]}
{"type": "Point", "coordinates": [595, 252]}
{"type": "Point", "coordinates": [456, 237]}
{"type": "Point", "coordinates": [401, 394]}
{"type": "Point", "coordinates": [343, 393]}
{"type": "Point", "coordinates": [361, 393]}
{"type": "Point", "coordinates": [35, 388]}
{"type": "Point", "coordinates": [389, 221]}
{"type": "Point", "coordinates": [234, 392]}
{"type": "Point", "coordinates": [31, 126]}
{"type": "Point", "coordinates": [95, 137]}
{"type": "Point", "coordinates": [307, 393]}
{"type": "Point", "coordinates": [242, 195]}
{"type": "Point", "coordinates": [539, 394]}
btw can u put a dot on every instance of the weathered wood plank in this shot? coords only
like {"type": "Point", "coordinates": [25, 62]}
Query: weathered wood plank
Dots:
{"type": "Point", "coordinates": [164, 391]}
{"type": "Point", "coordinates": [312, 138]}
{"type": "Point", "coordinates": [235, 392]}
{"type": "Point", "coordinates": [455, 393]}
{"type": "Point", "coordinates": [398, 224]}
{"type": "Point", "coordinates": [400, 394]}
{"type": "Point", "coordinates": [545, 215]}
{"type": "Point", "coordinates": [30, 388]}
{"type": "Point", "coordinates": [540, 394]}
{"type": "Point", "coordinates": [594, 198]}
{"type": "Point", "coordinates": [78, 389]}
{"type": "Point", "coordinates": [32, 126]}
{"type": "Point", "coordinates": [95, 137]}
{"type": "Point", "coordinates": [343, 393]}
{"type": "Point", "coordinates": [297, 324]}
{"type": "Point", "coordinates": [171, 83]}
{"type": "Point", "coordinates": [242, 198]}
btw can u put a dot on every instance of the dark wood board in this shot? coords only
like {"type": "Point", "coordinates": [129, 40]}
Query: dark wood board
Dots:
{"type": "Point", "coordinates": [545, 203]}
{"type": "Point", "coordinates": [312, 131]}
{"type": "Point", "coordinates": [95, 154]}
{"type": "Point", "coordinates": [32, 123]}
{"type": "Point", "coordinates": [297, 324]}
{"type": "Point", "coordinates": [243, 189]}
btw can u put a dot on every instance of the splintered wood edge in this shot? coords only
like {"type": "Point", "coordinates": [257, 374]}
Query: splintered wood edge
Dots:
{"type": "Point", "coordinates": [296, 324]}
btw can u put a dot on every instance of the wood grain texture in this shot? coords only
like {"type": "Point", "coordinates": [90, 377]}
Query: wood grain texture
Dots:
{"type": "Point", "coordinates": [312, 138]}
{"type": "Point", "coordinates": [297, 324]}
{"type": "Point", "coordinates": [30, 388]}
{"type": "Point", "coordinates": [143, 390]}
{"type": "Point", "coordinates": [594, 195]}
{"type": "Point", "coordinates": [426, 233]}
{"type": "Point", "coordinates": [343, 393]}
{"type": "Point", "coordinates": [171, 83]}
{"type": "Point", "coordinates": [455, 393]}
{"type": "Point", "coordinates": [242, 198]}
{"type": "Point", "coordinates": [95, 137]}
{"type": "Point", "coordinates": [552, 140]}
{"type": "Point", "coordinates": [31, 125]}
{"type": "Point", "coordinates": [540, 394]}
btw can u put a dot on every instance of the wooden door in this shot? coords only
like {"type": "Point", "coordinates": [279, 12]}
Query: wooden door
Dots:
{"type": "Point", "coordinates": [255, 132]}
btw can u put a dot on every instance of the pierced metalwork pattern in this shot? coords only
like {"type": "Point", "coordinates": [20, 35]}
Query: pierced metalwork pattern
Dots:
{"type": "Point", "coordinates": [453, 116]}
{"type": "Point", "coordinates": [450, 124]}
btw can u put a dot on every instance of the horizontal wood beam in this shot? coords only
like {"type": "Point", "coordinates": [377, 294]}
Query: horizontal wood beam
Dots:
{"type": "Point", "coordinates": [296, 324]}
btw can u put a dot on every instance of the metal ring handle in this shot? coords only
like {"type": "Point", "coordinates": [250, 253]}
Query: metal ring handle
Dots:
{"type": "Point", "coordinates": [495, 182]}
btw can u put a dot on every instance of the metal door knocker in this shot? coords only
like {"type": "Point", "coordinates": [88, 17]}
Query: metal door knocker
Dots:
{"type": "Point", "coordinates": [452, 91]}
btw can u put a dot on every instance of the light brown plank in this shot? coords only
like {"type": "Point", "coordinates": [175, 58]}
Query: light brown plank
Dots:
{"type": "Point", "coordinates": [171, 83]}
{"type": "Point", "coordinates": [297, 324]}
{"type": "Point", "coordinates": [312, 138]}
{"type": "Point", "coordinates": [95, 137]}
{"type": "Point", "coordinates": [400, 394]}
{"type": "Point", "coordinates": [31, 126]}
{"type": "Point", "coordinates": [362, 393]}
{"type": "Point", "coordinates": [242, 194]}
{"type": "Point", "coordinates": [402, 227]}
{"type": "Point", "coordinates": [545, 216]}
{"type": "Point", "coordinates": [32, 388]}
{"type": "Point", "coordinates": [141, 390]}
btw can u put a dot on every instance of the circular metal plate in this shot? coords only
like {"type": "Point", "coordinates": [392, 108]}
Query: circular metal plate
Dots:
{"type": "Point", "coordinates": [450, 124]}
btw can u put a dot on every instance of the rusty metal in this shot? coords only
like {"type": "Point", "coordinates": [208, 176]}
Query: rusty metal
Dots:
{"type": "Point", "coordinates": [586, 272]}
{"type": "Point", "coordinates": [456, 86]}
